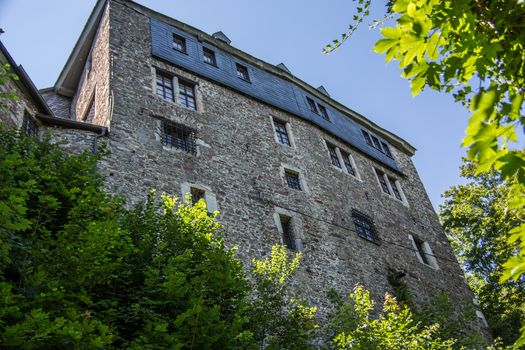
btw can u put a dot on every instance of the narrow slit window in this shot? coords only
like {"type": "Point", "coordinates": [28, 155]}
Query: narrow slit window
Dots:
{"type": "Point", "coordinates": [179, 43]}
{"type": "Point", "coordinates": [292, 179]}
{"type": "Point", "coordinates": [421, 250]}
{"type": "Point", "coordinates": [187, 95]}
{"type": "Point", "coordinates": [165, 86]}
{"type": "Point", "coordinates": [288, 237]}
{"type": "Point", "coordinates": [281, 133]}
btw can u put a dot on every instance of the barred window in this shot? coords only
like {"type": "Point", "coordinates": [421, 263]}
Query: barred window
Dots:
{"type": "Point", "coordinates": [187, 95]}
{"type": "Point", "coordinates": [178, 136]}
{"type": "Point", "coordinates": [324, 112]}
{"type": "Point", "coordinates": [281, 133]}
{"type": "Point", "coordinates": [242, 72]}
{"type": "Point", "coordinates": [382, 180]}
{"type": "Point", "coordinates": [29, 126]}
{"type": "Point", "coordinates": [209, 56]}
{"type": "Point", "coordinates": [312, 105]}
{"type": "Point", "coordinates": [292, 179]}
{"type": "Point", "coordinates": [364, 226]}
{"type": "Point", "coordinates": [179, 43]}
{"type": "Point", "coordinates": [165, 86]}
{"type": "Point", "coordinates": [333, 155]}
{"type": "Point", "coordinates": [348, 162]}
{"type": "Point", "coordinates": [288, 237]}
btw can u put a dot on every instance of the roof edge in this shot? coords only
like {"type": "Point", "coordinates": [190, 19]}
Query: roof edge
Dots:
{"type": "Point", "coordinates": [72, 124]}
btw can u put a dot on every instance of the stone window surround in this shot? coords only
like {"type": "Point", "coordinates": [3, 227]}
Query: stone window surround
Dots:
{"type": "Point", "coordinates": [432, 261]}
{"type": "Point", "coordinates": [288, 131]}
{"type": "Point", "coordinates": [159, 129]}
{"type": "Point", "coordinates": [199, 106]}
{"type": "Point", "coordinates": [343, 169]}
{"type": "Point", "coordinates": [209, 197]}
{"type": "Point", "coordinates": [387, 178]}
{"type": "Point", "coordinates": [297, 226]}
{"type": "Point", "coordinates": [284, 167]}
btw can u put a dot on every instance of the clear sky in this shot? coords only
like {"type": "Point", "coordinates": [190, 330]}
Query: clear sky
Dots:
{"type": "Point", "coordinates": [41, 34]}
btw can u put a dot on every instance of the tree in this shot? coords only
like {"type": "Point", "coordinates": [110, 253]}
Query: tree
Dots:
{"type": "Point", "coordinates": [6, 75]}
{"type": "Point", "coordinates": [352, 326]}
{"type": "Point", "coordinates": [475, 50]}
{"type": "Point", "coordinates": [478, 221]}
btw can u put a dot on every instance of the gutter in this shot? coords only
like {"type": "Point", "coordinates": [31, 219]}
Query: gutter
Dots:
{"type": "Point", "coordinates": [72, 124]}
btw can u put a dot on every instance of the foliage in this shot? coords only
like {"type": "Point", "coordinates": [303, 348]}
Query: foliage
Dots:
{"type": "Point", "coordinates": [353, 327]}
{"type": "Point", "coordinates": [6, 75]}
{"type": "Point", "coordinates": [279, 321]}
{"type": "Point", "coordinates": [478, 220]}
{"type": "Point", "coordinates": [474, 49]}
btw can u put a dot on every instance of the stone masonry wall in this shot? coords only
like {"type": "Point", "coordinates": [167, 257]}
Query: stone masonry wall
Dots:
{"type": "Point", "coordinates": [241, 163]}
{"type": "Point", "coordinates": [94, 82]}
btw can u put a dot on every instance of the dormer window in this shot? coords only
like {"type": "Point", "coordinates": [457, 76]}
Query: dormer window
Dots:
{"type": "Point", "coordinates": [312, 105]}
{"type": "Point", "coordinates": [242, 72]}
{"type": "Point", "coordinates": [324, 112]}
{"type": "Point", "coordinates": [179, 43]}
{"type": "Point", "coordinates": [209, 56]}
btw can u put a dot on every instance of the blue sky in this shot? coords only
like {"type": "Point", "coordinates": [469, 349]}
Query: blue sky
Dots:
{"type": "Point", "coordinates": [41, 34]}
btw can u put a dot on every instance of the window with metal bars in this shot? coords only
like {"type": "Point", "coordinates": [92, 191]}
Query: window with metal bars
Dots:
{"type": "Point", "coordinates": [242, 72]}
{"type": "Point", "coordinates": [209, 56]}
{"type": "Point", "coordinates": [178, 136]}
{"type": "Point", "coordinates": [364, 225]}
{"type": "Point", "coordinates": [29, 126]}
{"type": "Point", "coordinates": [395, 189]}
{"type": "Point", "coordinates": [292, 179]}
{"type": "Point", "coordinates": [179, 43]}
{"type": "Point", "coordinates": [165, 86]}
{"type": "Point", "coordinates": [288, 237]}
{"type": "Point", "coordinates": [312, 105]}
{"type": "Point", "coordinates": [382, 180]}
{"type": "Point", "coordinates": [281, 133]}
{"type": "Point", "coordinates": [348, 162]}
{"type": "Point", "coordinates": [333, 155]}
{"type": "Point", "coordinates": [324, 112]}
{"type": "Point", "coordinates": [187, 94]}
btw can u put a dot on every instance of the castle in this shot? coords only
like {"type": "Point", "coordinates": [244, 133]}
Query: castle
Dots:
{"type": "Point", "coordinates": [185, 112]}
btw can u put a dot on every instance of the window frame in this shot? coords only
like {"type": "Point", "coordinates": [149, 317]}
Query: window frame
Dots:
{"type": "Point", "coordinates": [242, 72]}
{"type": "Point", "coordinates": [323, 112]}
{"type": "Point", "coordinates": [178, 136]}
{"type": "Point", "coordinates": [165, 77]}
{"type": "Point", "coordinates": [287, 232]}
{"type": "Point", "coordinates": [281, 132]}
{"type": "Point", "coordinates": [334, 157]}
{"type": "Point", "coordinates": [293, 179]}
{"type": "Point", "coordinates": [364, 226]}
{"type": "Point", "coordinates": [29, 126]}
{"type": "Point", "coordinates": [383, 182]}
{"type": "Point", "coordinates": [347, 160]}
{"type": "Point", "coordinates": [185, 99]}
{"type": "Point", "coordinates": [423, 252]}
{"type": "Point", "coordinates": [212, 57]}
{"type": "Point", "coordinates": [179, 41]}
{"type": "Point", "coordinates": [313, 106]}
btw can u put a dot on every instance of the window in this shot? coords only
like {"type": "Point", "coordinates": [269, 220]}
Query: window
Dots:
{"type": "Point", "coordinates": [333, 155]}
{"type": "Point", "coordinates": [423, 252]}
{"type": "Point", "coordinates": [89, 114]}
{"type": "Point", "coordinates": [165, 86]}
{"type": "Point", "coordinates": [324, 112]}
{"type": "Point", "coordinates": [386, 149]}
{"type": "Point", "coordinates": [348, 162]}
{"type": "Point", "coordinates": [312, 105]}
{"type": "Point", "coordinates": [288, 237]}
{"type": "Point", "coordinates": [382, 181]}
{"type": "Point", "coordinates": [29, 126]}
{"type": "Point", "coordinates": [281, 133]}
{"type": "Point", "coordinates": [197, 194]}
{"type": "Point", "coordinates": [368, 140]}
{"type": "Point", "coordinates": [209, 56]}
{"type": "Point", "coordinates": [292, 179]}
{"type": "Point", "coordinates": [187, 95]}
{"type": "Point", "coordinates": [178, 136]}
{"type": "Point", "coordinates": [179, 43]}
{"type": "Point", "coordinates": [395, 189]}
{"type": "Point", "coordinates": [242, 72]}
{"type": "Point", "coordinates": [364, 226]}
{"type": "Point", "coordinates": [376, 143]}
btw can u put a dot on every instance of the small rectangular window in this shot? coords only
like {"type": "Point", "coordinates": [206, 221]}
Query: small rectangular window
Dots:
{"type": "Point", "coordinates": [292, 179]}
{"type": "Point", "coordinates": [312, 105]}
{"type": "Point", "coordinates": [197, 194]}
{"type": "Point", "coordinates": [209, 56]}
{"type": "Point", "coordinates": [382, 180]}
{"type": "Point", "coordinates": [395, 189]}
{"type": "Point", "coordinates": [375, 141]}
{"type": "Point", "coordinates": [324, 112]}
{"type": "Point", "coordinates": [421, 250]}
{"type": "Point", "coordinates": [386, 149]}
{"type": "Point", "coordinates": [364, 226]}
{"type": "Point", "coordinates": [348, 162]}
{"type": "Point", "coordinates": [367, 138]}
{"type": "Point", "coordinates": [288, 237]}
{"type": "Point", "coordinates": [179, 43]}
{"type": "Point", "coordinates": [281, 133]}
{"type": "Point", "coordinates": [29, 126]}
{"type": "Point", "coordinates": [178, 136]}
{"type": "Point", "coordinates": [165, 86]}
{"type": "Point", "coordinates": [242, 72]}
{"type": "Point", "coordinates": [187, 95]}
{"type": "Point", "coordinates": [333, 155]}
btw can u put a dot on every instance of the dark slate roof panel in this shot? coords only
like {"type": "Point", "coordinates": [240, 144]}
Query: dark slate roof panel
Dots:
{"type": "Point", "coordinates": [263, 85]}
